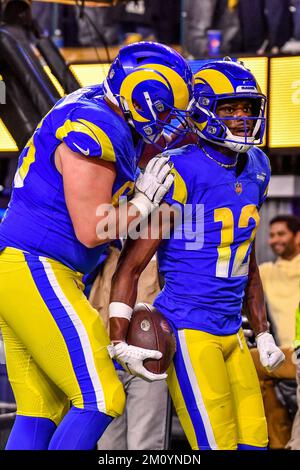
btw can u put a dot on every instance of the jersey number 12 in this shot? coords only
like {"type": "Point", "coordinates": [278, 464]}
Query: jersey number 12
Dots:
{"type": "Point", "coordinates": [240, 265]}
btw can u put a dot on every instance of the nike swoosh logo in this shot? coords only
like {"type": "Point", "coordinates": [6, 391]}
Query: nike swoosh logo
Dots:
{"type": "Point", "coordinates": [85, 152]}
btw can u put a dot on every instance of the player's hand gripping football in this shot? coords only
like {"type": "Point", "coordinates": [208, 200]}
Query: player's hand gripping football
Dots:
{"type": "Point", "coordinates": [131, 359]}
{"type": "Point", "coordinates": [152, 185]}
{"type": "Point", "coordinates": [270, 355]}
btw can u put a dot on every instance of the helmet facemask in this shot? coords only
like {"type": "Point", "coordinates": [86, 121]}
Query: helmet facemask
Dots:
{"type": "Point", "coordinates": [211, 124]}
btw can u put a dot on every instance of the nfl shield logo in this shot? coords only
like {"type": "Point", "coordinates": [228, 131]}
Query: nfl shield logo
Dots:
{"type": "Point", "coordinates": [238, 188]}
{"type": "Point", "coordinates": [147, 130]}
{"type": "Point", "coordinates": [159, 106]}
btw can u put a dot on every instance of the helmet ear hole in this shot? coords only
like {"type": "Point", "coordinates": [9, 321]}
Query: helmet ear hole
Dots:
{"type": "Point", "coordinates": [137, 105]}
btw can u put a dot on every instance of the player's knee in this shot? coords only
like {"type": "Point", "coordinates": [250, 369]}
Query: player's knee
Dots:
{"type": "Point", "coordinates": [54, 411]}
{"type": "Point", "coordinates": [256, 433]}
{"type": "Point", "coordinates": [109, 400]}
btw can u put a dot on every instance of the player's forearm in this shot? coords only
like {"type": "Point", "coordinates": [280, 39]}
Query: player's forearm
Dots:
{"type": "Point", "coordinates": [135, 256]}
{"type": "Point", "coordinates": [118, 328]}
{"type": "Point", "coordinates": [254, 302]}
{"type": "Point", "coordinates": [123, 291]}
{"type": "Point", "coordinates": [124, 285]}
{"type": "Point", "coordinates": [110, 223]}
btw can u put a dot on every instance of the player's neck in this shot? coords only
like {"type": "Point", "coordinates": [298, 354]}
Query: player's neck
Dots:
{"type": "Point", "coordinates": [135, 136]}
{"type": "Point", "coordinates": [220, 154]}
{"type": "Point", "coordinates": [114, 107]}
{"type": "Point", "coordinates": [227, 152]}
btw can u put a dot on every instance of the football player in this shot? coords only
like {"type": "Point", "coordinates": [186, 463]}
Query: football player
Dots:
{"type": "Point", "coordinates": [220, 184]}
{"type": "Point", "coordinates": [82, 156]}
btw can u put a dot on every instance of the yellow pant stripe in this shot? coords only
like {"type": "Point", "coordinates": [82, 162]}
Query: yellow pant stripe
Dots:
{"type": "Point", "coordinates": [180, 406]}
{"type": "Point", "coordinates": [53, 275]}
{"type": "Point", "coordinates": [93, 337]}
{"type": "Point", "coordinates": [195, 384]}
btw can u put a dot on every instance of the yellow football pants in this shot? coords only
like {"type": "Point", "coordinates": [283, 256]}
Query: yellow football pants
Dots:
{"type": "Point", "coordinates": [216, 393]}
{"type": "Point", "coordinates": [55, 342]}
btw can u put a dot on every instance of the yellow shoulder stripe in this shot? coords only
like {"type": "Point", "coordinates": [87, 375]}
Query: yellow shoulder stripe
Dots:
{"type": "Point", "coordinates": [93, 131]}
{"type": "Point", "coordinates": [180, 192]}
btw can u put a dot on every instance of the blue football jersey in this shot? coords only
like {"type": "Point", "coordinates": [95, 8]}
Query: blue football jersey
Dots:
{"type": "Point", "coordinates": [37, 219]}
{"type": "Point", "coordinates": [205, 262]}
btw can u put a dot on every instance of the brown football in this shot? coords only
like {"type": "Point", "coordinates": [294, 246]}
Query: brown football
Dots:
{"type": "Point", "coordinates": [149, 329]}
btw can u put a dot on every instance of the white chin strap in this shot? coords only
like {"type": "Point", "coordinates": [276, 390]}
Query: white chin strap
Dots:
{"type": "Point", "coordinates": [236, 146]}
{"type": "Point", "coordinates": [239, 144]}
{"type": "Point", "coordinates": [240, 148]}
{"type": "Point", "coordinates": [109, 94]}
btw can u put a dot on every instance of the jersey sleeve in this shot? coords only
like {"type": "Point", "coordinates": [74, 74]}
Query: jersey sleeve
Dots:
{"type": "Point", "coordinates": [265, 184]}
{"type": "Point", "coordinates": [86, 131]}
{"type": "Point", "coordinates": [178, 193]}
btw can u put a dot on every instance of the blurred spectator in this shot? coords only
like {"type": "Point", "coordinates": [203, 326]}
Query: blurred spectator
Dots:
{"type": "Point", "coordinates": [279, 421]}
{"type": "Point", "coordinates": [167, 21]}
{"type": "Point", "coordinates": [296, 29]}
{"type": "Point", "coordinates": [150, 20]}
{"type": "Point", "coordinates": [46, 15]}
{"type": "Point", "coordinates": [281, 278]}
{"type": "Point", "coordinates": [140, 427]}
{"type": "Point", "coordinates": [97, 25]}
{"type": "Point", "coordinates": [137, 19]}
{"type": "Point", "coordinates": [53, 18]}
{"type": "Point", "coordinates": [293, 45]}
{"type": "Point", "coordinates": [294, 442]}
{"type": "Point", "coordinates": [123, 23]}
{"type": "Point", "coordinates": [203, 15]}
{"type": "Point", "coordinates": [281, 287]}
{"type": "Point", "coordinates": [265, 25]}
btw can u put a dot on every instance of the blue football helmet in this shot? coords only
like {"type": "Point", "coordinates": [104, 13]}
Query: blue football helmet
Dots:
{"type": "Point", "coordinates": [153, 86]}
{"type": "Point", "coordinates": [223, 80]}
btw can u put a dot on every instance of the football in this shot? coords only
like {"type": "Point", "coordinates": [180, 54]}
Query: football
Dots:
{"type": "Point", "coordinates": [149, 329]}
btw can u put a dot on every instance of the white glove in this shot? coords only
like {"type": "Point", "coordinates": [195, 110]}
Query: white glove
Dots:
{"type": "Point", "coordinates": [270, 355]}
{"type": "Point", "coordinates": [131, 358]}
{"type": "Point", "coordinates": [152, 185]}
